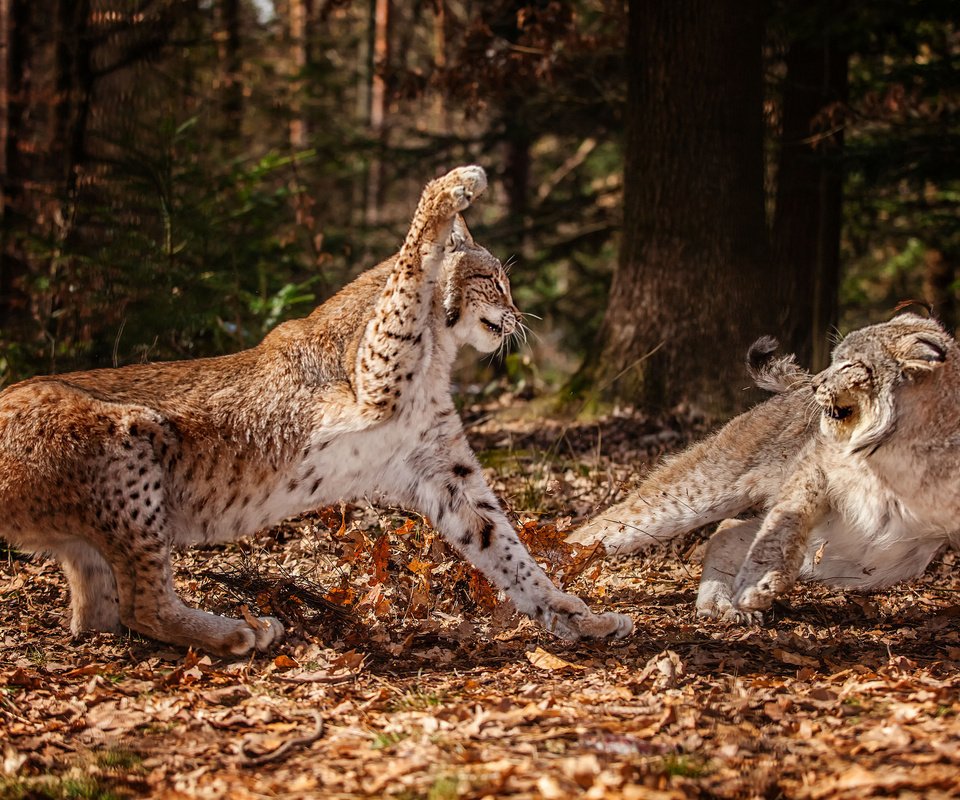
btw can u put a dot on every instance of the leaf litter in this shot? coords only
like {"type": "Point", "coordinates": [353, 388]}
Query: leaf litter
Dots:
{"type": "Point", "coordinates": [402, 675]}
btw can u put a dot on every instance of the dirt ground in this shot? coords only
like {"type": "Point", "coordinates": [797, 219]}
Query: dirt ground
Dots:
{"type": "Point", "coordinates": [402, 676]}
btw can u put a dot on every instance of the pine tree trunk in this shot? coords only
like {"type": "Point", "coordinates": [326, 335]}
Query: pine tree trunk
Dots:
{"type": "Point", "coordinates": [298, 56]}
{"type": "Point", "coordinates": [692, 287]}
{"type": "Point", "coordinates": [231, 66]}
{"type": "Point", "coordinates": [378, 105]}
{"type": "Point", "coordinates": [808, 216]}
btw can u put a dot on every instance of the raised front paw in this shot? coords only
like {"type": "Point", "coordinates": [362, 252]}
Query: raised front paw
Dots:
{"type": "Point", "coordinates": [570, 618]}
{"type": "Point", "coordinates": [450, 194]}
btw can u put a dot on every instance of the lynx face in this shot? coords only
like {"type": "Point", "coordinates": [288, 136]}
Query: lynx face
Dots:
{"type": "Point", "coordinates": [874, 377]}
{"type": "Point", "coordinates": [478, 302]}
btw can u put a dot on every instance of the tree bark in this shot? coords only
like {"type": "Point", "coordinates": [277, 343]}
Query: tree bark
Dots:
{"type": "Point", "coordinates": [74, 86]}
{"type": "Point", "coordinates": [808, 216]}
{"type": "Point", "coordinates": [692, 287]}
{"type": "Point", "coordinates": [231, 66]}
{"type": "Point", "coordinates": [16, 30]}
{"type": "Point", "coordinates": [378, 105]}
{"type": "Point", "coordinates": [298, 56]}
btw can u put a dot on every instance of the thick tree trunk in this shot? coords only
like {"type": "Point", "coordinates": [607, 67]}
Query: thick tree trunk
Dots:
{"type": "Point", "coordinates": [808, 216]}
{"type": "Point", "coordinates": [692, 288]}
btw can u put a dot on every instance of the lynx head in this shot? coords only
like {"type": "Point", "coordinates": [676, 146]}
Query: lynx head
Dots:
{"type": "Point", "coordinates": [476, 294]}
{"type": "Point", "coordinates": [877, 376]}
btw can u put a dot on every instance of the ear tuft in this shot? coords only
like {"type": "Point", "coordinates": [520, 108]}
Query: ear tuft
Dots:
{"type": "Point", "coordinates": [460, 237]}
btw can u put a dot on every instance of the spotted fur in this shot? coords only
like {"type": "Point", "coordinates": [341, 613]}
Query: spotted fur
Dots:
{"type": "Point", "coordinates": [109, 470]}
{"type": "Point", "coordinates": [848, 477]}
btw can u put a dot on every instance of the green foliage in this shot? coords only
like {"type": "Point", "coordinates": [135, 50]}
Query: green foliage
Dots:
{"type": "Point", "coordinates": [384, 741]}
{"type": "Point", "coordinates": [50, 788]}
{"type": "Point", "coordinates": [445, 787]}
{"type": "Point", "coordinates": [902, 148]}
{"type": "Point", "coordinates": [117, 758]}
{"type": "Point", "coordinates": [223, 261]}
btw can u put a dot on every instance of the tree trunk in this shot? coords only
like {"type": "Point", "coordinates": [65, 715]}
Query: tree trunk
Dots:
{"type": "Point", "coordinates": [15, 87]}
{"type": "Point", "coordinates": [298, 56]}
{"type": "Point", "coordinates": [439, 106]}
{"type": "Point", "coordinates": [378, 105]}
{"type": "Point", "coordinates": [808, 216]}
{"type": "Point", "coordinates": [692, 287]}
{"type": "Point", "coordinates": [231, 66]}
{"type": "Point", "coordinates": [74, 82]}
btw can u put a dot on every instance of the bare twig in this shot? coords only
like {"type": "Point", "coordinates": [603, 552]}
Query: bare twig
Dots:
{"type": "Point", "coordinates": [253, 760]}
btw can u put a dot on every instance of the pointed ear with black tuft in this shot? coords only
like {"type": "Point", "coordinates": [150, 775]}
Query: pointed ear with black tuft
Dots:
{"type": "Point", "coordinates": [460, 237]}
{"type": "Point", "coordinates": [760, 353]}
{"type": "Point", "coordinates": [919, 353]}
{"type": "Point", "coordinates": [774, 374]}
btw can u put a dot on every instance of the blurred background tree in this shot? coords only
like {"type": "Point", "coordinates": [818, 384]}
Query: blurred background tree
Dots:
{"type": "Point", "coordinates": [670, 180]}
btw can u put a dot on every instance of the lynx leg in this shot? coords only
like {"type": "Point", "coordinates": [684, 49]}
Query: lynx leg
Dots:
{"type": "Point", "coordinates": [776, 555]}
{"type": "Point", "coordinates": [725, 552]}
{"type": "Point", "coordinates": [150, 606]}
{"type": "Point", "coordinates": [453, 493]}
{"type": "Point", "coordinates": [392, 344]}
{"type": "Point", "coordinates": [93, 590]}
{"type": "Point", "coordinates": [135, 537]}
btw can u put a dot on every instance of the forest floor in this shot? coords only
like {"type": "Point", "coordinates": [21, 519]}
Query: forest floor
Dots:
{"type": "Point", "coordinates": [401, 676]}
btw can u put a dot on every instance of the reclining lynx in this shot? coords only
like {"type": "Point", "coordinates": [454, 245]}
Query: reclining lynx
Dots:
{"type": "Point", "coordinates": [863, 498]}
{"type": "Point", "coordinates": [110, 469]}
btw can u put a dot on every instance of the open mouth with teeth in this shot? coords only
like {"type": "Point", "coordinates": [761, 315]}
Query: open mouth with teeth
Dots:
{"type": "Point", "coordinates": [838, 412]}
{"type": "Point", "coordinates": [492, 326]}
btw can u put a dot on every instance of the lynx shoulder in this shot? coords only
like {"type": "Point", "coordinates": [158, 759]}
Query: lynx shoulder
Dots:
{"type": "Point", "coordinates": [847, 477]}
{"type": "Point", "coordinates": [109, 470]}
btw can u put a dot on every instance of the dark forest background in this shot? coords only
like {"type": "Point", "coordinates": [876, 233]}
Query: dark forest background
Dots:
{"type": "Point", "coordinates": [670, 179]}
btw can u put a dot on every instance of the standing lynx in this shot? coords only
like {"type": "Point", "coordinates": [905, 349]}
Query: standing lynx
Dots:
{"type": "Point", "coordinates": [109, 470]}
{"type": "Point", "coordinates": [850, 477]}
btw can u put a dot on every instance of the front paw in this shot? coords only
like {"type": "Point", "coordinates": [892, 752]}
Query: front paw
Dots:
{"type": "Point", "coordinates": [455, 191]}
{"type": "Point", "coordinates": [714, 603]}
{"type": "Point", "coordinates": [726, 613]}
{"type": "Point", "coordinates": [757, 592]}
{"type": "Point", "coordinates": [570, 618]}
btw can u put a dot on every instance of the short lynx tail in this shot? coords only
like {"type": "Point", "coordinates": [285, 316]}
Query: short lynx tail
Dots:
{"type": "Point", "coordinates": [777, 375]}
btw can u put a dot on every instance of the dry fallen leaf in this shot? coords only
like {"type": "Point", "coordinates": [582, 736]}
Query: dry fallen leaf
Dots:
{"type": "Point", "coordinates": [541, 659]}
